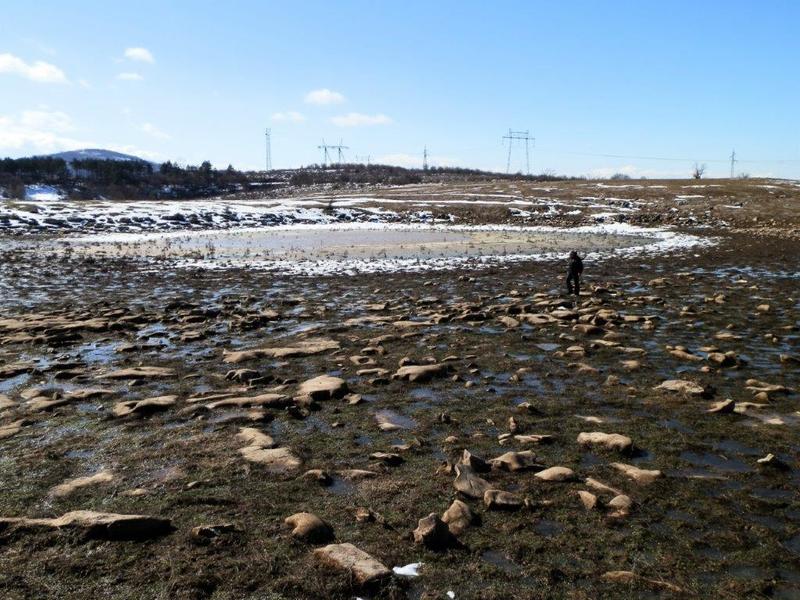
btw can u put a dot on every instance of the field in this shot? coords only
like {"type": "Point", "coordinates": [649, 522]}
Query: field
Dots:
{"type": "Point", "coordinates": [213, 399]}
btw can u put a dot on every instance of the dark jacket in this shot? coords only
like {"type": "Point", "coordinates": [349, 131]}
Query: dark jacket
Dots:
{"type": "Point", "coordinates": [575, 266]}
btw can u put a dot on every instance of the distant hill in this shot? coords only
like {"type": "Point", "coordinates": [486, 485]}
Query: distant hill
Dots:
{"type": "Point", "coordinates": [96, 154]}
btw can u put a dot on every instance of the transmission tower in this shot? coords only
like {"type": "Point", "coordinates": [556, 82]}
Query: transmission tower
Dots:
{"type": "Point", "coordinates": [519, 135]}
{"type": "Point", "coordinates": [733, 161]}
{"type": "Point", "coordinates": [425, 159]}
{"type": "Point", "coordinates": [269, 151]}
{"type": "Point", "coordinates": [326, 152]}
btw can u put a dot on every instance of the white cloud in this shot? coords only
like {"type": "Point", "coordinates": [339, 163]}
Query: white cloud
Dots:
{"type": "Point", "coordinates": [40, 130]}
{"type": "Point", "coordinates": [292, 116]}
{"type": "Point", "coordinates": [139, 54]}
{"type": "Point", "coordinates": [130, 77]}
{"type": "Point", "coordinates": [635, 172]}
{"type": "Point", "coordinates": [358, 119]}
{"type": "Point", "coordinates": [414, 161]}
{"type": "Point", "coordinates": [324, 96]}
{"type": "Point", "coordinates": [53, 121]}
{"type": "Point", "coordinates": [155, 132]}
{"type": "Point", "coordinates": [38, 71]}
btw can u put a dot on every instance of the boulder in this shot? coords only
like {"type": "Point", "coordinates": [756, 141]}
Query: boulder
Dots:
{"type": "Point", "coordinates": [468, 483]}
{"type": "Point", "coordinates": [346, 557]}
{"type": "Point", "coordinates": [97, 524]}
{"type": "Point", "coordinates": [458, 517]}
{"type": "Point", "coordinates": [277, 460]}
{"type": "Point", "coordinates": [421, 373]}
{"type": "Point", "coordinates": [433, 533]}
{"type": "Point", "coordinates": [254, 437]}
{"type": "Point", "coordinates": [300, 348]}
{"type": "Point", "coordinates": [12, 428]}
{"type": "Point", "coordinates": [588, 499]}
{"type": "Point", "coordinates": [72, 485]}
{"type": "Point", "coordinates": [682, 386]}
{"type": "Point", "coordinates": [139, 373]}
{"type": "Point", "coordinates": [309, 528]}
{"type": "Point", "coordinates": [500, 500]}
{"type": "Point", "coordinates": [514, 461]}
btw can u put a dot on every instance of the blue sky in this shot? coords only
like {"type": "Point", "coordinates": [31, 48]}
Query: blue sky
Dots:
{"type": "Point", "coordinates": [599, 84]}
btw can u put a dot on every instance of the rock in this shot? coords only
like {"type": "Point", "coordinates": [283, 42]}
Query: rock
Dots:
{"type": "Point", "coordinates": [6, 402]}
{"type": "Point", "coordinates": [208, 532]}
{"type": "Point", "coordinates": [509, 322]}
{"type": "Point", "coordinates": [599, 486]}
{"type": "Point", "coordinates": [388, 458]}
{"type": "Point", "coordinates": [320, 476]}
{"type": "Point", "coordinates": [254, 437]}
{"type": "Point", "coordinates": [13, 428]}
{"type": "Point", "coordinates": [277, 460]}
{"type": "Point", "coordinates": [773, 462]}
{"type": "Point", "coordinates": [719, 359]}
{"type": "Point", "coordinates": [346, 557]}
{"type": "Point", "coordinates": [500, 500]}
{"type": "Point", "coordinates": [421, 373]}
{"type": "Point", "coordinates": [433, 533]}
{"type": "Point", "coordinates": [458, 517]}
{"type": "Point", "coordinates": [754, 385]}
{"type": "Point", "coordinates": [309, 528]}
{"type": "Point", "coordinates": [323, 387]}
{"type": "Point", "coordinates": [356, 474]}
{"type": "Point", "coordinates": [468, 483]}
{"type": "Point", "coordinates": [588, 499]}
{"type": "Point", "coordinates": [640, 476]}
{"type": "Point", "coordinates": [514, 461]}
{"type": "Point", "coordinates": [139, 373]}
{"type": "Point", "coordinates": [611, 441]}
{"type": "Point", "coordinates": [620, 506]}
{"type": "Point", "coordinates": [682, 386]}
{"type": "Point", "coordinates": [722, 407]}
{"type": "Point", "coordinates": [556, 474]}
{"type": "Point", "coordinates": [145, 407]}
{"type": "Point", "coordinates": [68, 487]}
{"type": "Point", "coordinates": [300, 348]}
{"type": "Point", "coordinates": [242, 375]}
{"type": "Point", "coordinates": [534, 438]}
{"type": "Point", "coordinates": [475, 462]}
{"type": "Point", "coordinates": [97, 524]}
{"type": "Point", "coordinates": [631, 365]}
{"type": "Point", "coordinates": [269, 400]}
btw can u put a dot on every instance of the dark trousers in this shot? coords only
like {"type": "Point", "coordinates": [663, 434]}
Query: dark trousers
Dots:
{"type": "Point", "coordinates": [574, 282]}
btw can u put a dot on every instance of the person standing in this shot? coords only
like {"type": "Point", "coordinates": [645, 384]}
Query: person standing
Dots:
{"type": "Point", "coordinates": [574, 274]}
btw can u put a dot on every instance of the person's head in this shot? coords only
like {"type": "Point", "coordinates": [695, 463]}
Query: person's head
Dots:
{"type": "Point", "coordinates": [573, 254]}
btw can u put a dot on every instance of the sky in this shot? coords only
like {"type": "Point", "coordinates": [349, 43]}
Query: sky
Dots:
{"type": "Point", "coordinates": [645, 88]}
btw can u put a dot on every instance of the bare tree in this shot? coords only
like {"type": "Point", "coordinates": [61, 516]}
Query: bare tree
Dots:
{"type": "Point", "coordinates": [698, 171]}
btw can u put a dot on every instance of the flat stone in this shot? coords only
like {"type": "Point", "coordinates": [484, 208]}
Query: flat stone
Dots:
{"type": "Point", "coordinates": [97, 524]}
{"type": "Point", "coordinates": [270, 400]}
{"type": "Point", "coordinates": [722, 407]}
{"type": "Point", "coordinates": [611, 441]}
{"type": "Point", "coordinates": [500, 500]}
{"type": "Point", "coordinates": [556, 474]}
{"type": "Point", "coordinates": [588, 499]}
{"type": "Point", "coordinates": [599, 486]}
{"type": "Point", "coordinates": [420, 373]}
{"type": "Point", "coordinates": [72, 485]}
{"type": "Point", "coordinates": [13, 428]}
{"type": "Point", "coordinates": [309, 528]}
{"type": "Point", "coordinates": [300, 348]}
{"type": "Point", "coordinates": [143, 407]}
{"type": "Point", "coordinates": [255, 437]}
{"type": "Point", "coordinates": [682, 386]}
{"type": "Point", "coordinates": [514, 461]}
{"type": "Point", "coordinates": [139, 373]}
{"type": "Point", "coordinates": [278, 460]}
{"type": "Point", "coordinates": [640, 476]}
{"type": "Point", "coordinates": [324, 387]}
{"type": "Point", "coordinates": [346, 557]}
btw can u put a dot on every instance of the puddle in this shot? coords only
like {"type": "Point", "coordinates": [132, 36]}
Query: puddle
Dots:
{"type": "Point", "coordinates": [496, 559]}
{"type": "Point", "coordinates": [716, 463]}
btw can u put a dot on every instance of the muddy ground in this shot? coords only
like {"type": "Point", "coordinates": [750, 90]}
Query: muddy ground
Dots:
{"type": "Point", "coordinates": [516, 366]}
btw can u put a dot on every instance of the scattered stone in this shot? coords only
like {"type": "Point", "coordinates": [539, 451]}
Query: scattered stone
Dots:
{"type": "Point", "coordinates": [588, 499]}
{"type": "Point", "coordinates": [599, 486]}
{"type": "Point", "coordinates": [640, 476]}
{"type": "Point", "coordinates": [388, 458]}
{"type": "Point", "coordinates": [722, 407]}
{"type": "Point", "coordinates": [682, 386]}
{"type": "Point", "coordinates": [139, 373]}
{"type": "Point", "coordinates": [468, 483]}
{"type": "Point", "coordinates": [500, 500]}
{"type": "Point", "coordinates": [300, 348]}
{"type": "Point", "coordinates": [68, 487]}
{"type": "Point", "coordinates": [475, 462]}
{"type": "Point", "coordinates": [620, 506]}
{"type": "Point", "coordinates": [421, 373]}
{"type": "Point", "coordinates": [309, 528]}
{"type": "Point", "coordinates": [277, 460]}
{"type": "Point", "coordinates": [97, 524]}
{"type": "Point", "coordinates": [320, 476]}
{"type": "Point", "coordinates": [515, 461]}
{"type": "Point", "coordinates": [346, 557]}
{"type": "Point", "coordinates": [458, 517]}
{"type": "Point", "coordinates": [433, 533]}
{"type": "Point", "coordinates": [629, 577]}
{"type": "Point", "coordinates": [324, 387]}
{"type": "Point", "coordinates": [207, 532]}
{"type": "Point", "coordinates": [556, 474]}
{"type": "Point", "coordinates": [13, 428]}
{"type": "Point", "coordinates": [141, 408]}
{"type": "Point", "coordinates": [611, 441]}
{"type": "Point", "coordinates": [254, 437]}
{"type": "Point", "coordinates": [356, 474]}
{"type": "Point", "coordinates": [773, 462]}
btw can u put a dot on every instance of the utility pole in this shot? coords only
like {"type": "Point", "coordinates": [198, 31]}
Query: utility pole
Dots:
{"type": "Point", "coordinates": [733, 161]}
{"type": "Point", "coordinates": [425, 159]}
{"type": "Point", "coordinates": [269, 151]}
{"type": "Point", "coordinates": [326, 155]}
{"type": "Point", "coordinates": [519, 135]}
